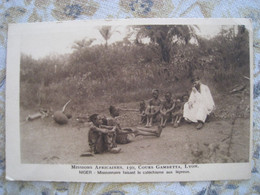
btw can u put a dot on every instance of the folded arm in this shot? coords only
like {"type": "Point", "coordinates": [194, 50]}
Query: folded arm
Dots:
{"type": "Point", "coordinates": [171, 109]}
{"type": "Point", "coordinates": [102, 130]}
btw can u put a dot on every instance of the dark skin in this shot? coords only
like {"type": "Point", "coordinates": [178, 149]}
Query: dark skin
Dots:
{"type": "Point", "coordinates": [155, 95]}
{"type": "Point", "coordinates": [165, 112]}
{"type": "Point", "coordinates": [137, 131]}
{"type": "Point", "coordinates": [100, 128]}
{"type": "Point", "coordinates": [179, 114]}
{"type": "Point", "coordinates": [110, 133]}
{"type": "Point", "coordinates": [100, 144]}
{"type": "Point", "coordinates": [115, 128]}
{"type": "Point", "coordinates": [152, 110]}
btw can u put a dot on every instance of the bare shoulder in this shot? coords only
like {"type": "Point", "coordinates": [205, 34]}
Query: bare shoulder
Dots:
{"type": "Point", "coordinates": [92, 126]}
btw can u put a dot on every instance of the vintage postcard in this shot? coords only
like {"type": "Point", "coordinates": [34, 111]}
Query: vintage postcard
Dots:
{"type": "Point", "coordinates": [131, 100]}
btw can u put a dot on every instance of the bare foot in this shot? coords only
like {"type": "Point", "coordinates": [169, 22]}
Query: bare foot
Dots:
{"type": "Point", "coordinates": [115, 150]}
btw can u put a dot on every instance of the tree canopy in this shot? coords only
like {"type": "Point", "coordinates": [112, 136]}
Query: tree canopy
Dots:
{"type": "Point", "coordinates": [166, 37]}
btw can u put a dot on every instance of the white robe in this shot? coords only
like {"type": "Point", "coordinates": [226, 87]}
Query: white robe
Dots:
{"type": "Point", "coordinates": [201, 103]}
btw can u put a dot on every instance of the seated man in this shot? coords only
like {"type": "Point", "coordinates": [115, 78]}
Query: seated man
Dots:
{"type": "Point", "coordinates": [105, 133]}
{"type": "Point", "coordinates": [166, 109]}
{"type": "Point", "coordinates": [153, 109]}
{"type": "Point", "coordinates": [177, 113]}
{"type": "Point", "coordinates": [199, 105]}
{"type": "Point", "coordinates": [101, 139]}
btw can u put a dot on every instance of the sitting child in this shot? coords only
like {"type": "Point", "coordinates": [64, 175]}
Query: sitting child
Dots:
{"type": "Point", "coordinates": [177, 114]}
{"type": "Point", "coordinates": [153, 109]}
{"type": "Point", "coordinates": [142, 109]}
{"type": "Point", "coordinates": [166, 109]}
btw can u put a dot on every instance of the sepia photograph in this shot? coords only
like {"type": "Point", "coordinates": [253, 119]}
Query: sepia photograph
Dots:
{"type": "Point", "coordinates": [129, 93]}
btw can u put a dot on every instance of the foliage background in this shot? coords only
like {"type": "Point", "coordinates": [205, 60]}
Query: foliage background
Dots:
{"type": "Point", "coordinates": [95, 76]}
{"type": "Point", "coordinates": [39, 10]}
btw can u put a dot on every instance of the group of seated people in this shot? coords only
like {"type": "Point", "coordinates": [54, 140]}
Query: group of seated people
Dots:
{"type": "Point", "coordinates": [171, 109]}
{"type": "Point", "coordinates": [105, 133]}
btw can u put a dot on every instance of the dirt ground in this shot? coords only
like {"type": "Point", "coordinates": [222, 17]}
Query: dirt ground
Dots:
{"type": "Point", "coordinates": [45, 142]}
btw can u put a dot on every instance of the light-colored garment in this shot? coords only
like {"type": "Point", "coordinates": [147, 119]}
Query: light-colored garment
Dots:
{"type": "Point", "coordinates": [201, 104]}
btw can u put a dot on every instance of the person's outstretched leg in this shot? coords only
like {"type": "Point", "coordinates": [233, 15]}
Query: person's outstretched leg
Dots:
{"type": "Point", "coordinates": [148, 132]}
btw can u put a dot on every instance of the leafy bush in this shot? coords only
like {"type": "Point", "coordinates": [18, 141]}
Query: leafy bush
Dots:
{"type": "Point", "coordinates": [94, 76]}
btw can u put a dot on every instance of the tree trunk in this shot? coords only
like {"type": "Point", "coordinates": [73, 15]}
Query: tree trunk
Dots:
{"type": "Point", "coordinates": [165, 53]}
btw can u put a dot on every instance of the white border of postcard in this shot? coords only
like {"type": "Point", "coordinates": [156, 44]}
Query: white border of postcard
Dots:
{"type": "Point", "coordinates": [15, 170]}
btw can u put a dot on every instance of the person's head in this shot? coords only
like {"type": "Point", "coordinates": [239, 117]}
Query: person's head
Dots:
{"type": "Point", "coordinates": [185, 98]}
{"type": "Point", "coordinates": [155, 93]}
{"type": "Point", "coordinates": [142, 106]}
{"type": "Point", "coordinates": [96, 119]}
{"type": "Point", "coordinates": [196, 82]}
{"type": "Point", "coordinates": [168, 96]}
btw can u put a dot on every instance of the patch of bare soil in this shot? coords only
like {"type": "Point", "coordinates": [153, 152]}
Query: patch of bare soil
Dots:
{"type": "Point", "coordinates": [45, 142]}
{"type": "Point", "coordinates": [224, 139]}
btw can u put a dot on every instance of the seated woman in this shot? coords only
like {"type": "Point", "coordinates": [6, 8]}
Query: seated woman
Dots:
{"type": "Point", "coordinates": [166, 109]}
{"type": "Point", "coordinates": [153, 109]}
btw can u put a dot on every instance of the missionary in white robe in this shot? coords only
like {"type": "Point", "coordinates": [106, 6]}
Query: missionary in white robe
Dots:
{"type": "Point", "coordinates": [200, 103]}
